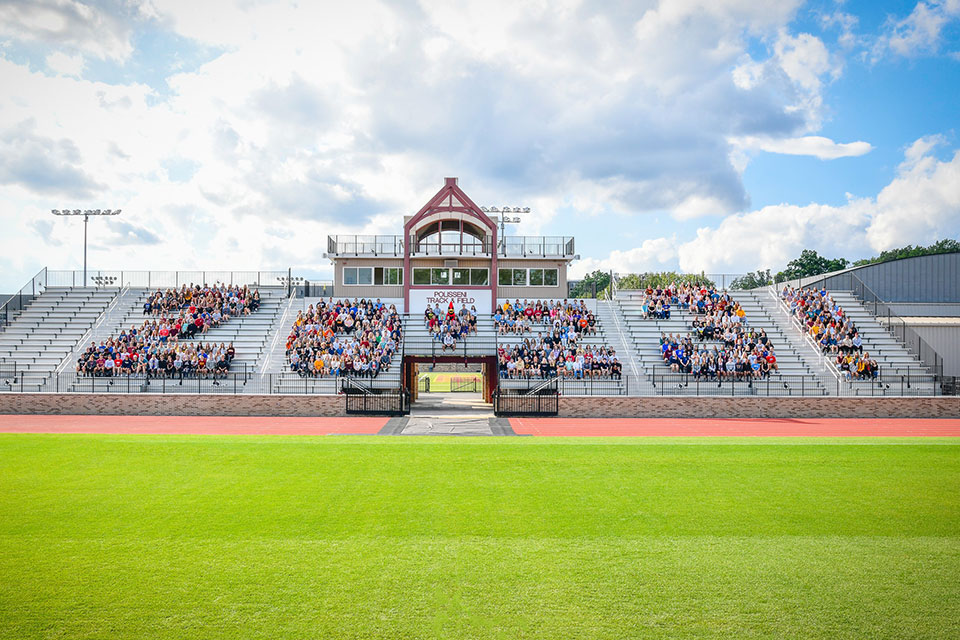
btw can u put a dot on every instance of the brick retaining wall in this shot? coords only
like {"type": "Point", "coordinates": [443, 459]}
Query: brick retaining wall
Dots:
{"type": "Point", "coordinates": [809, 407]}
{"type": "Point", "coordinates": [150, 404]}
{"type": "Point", "coordinates": [592, 407]}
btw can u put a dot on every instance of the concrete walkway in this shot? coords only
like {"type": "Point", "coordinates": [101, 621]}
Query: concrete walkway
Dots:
{"type": "Point", "coordinates": [449, 414]}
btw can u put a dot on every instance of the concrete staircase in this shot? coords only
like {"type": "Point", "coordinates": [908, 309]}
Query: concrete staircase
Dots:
{"type": "Point", "coordinates": [35, 344]}
{"type": "Point", "coordinates": [573, 387]}
{"type": "Point", "coordinates": [796, 377]}
{"type": "Point", "coordinates": [279, 379]}
{"type": "Point", "coordinates": [249, 335]}
{"type": "Point", "coordinates": [901, 372]}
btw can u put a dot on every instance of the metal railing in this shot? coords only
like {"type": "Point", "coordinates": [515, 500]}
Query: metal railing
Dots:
{"type": "Point", "coordinates": [509, 246]}
{"type": "Point", "coordinates": [365, 245]}
{"type": "Point", "coordinates": [510, 402]}
{"type": "Point", "coordinates": [18, 301]}
{"type": "Point", "coordinates": [360, 400]}
{"type": "Point", "coordinates": [164, 279]}
{"type": "Point", "coordinates": [657, 384]}
{"type": "Point", "coordinates": [720, 280]}
{"type": "Point", "coordinates": [570, 386]}
{"type": "Point", "coordinates": [885, 315]}
{"type": "Point", "coordinates": [804, 335]}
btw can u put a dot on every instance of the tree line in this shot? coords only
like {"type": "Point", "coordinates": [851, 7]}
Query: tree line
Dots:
{"type": "Point", "coordinates": [808, 263]}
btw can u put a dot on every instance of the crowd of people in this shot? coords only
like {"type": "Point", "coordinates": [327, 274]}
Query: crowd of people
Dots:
{"type": "Point", "coordinates": [559, 347]}
{"type": "Point", "coordinates": [569, 317]}
{"type": "Point", "coordinates": [136, 352]}
{"type": "Point", "coordinates": [449, 327]}
{"type": "Point", "coordinates": [721, 345]}
{"type": "Point", "coordinates": [659, 302]}
{"type": "Point", "coordinates": [344, 338]}
{"type": "Point", "coordinates": [829, 327]}
{"type": "Point", "coordinates": [549, 357]}
{"type": "Point", "coordinates": [161, 348]}
{"type": "Point", "coordinates": [746, 355]}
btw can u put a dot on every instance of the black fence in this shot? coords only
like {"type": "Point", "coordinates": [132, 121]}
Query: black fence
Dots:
{"type": "Point", "coordinates": [667, 384]}
{"type": "Point", "coordinates": [677, 384]}
{"type": "Point", "coordinates": [376, 402]}
{"type": "Point", "coordinates": [588, 386]}
{"type": "Point", "coordinates": [543, 400]}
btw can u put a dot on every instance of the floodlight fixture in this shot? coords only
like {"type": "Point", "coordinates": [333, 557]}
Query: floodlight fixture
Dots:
{"type": "Point", "coordinates": [86, 218]}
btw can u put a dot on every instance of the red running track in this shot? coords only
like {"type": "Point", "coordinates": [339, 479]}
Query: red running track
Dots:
{"type": "Point", "coordinates": [670, 427]}
{"type": "Point", "coordinates": [666, 427]}
{"type": "Point", "coordinates": [199, 425]}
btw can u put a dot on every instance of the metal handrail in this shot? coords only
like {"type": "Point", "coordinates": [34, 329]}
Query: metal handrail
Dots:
{"type": "Point", "coordinates": [90, 332]}
{"type": "Point", "coordinates": [6, 308]}
{"type": "Point", "coordinates": [821, 360]}
{"type": "Point", "coordinates": [276, 334]}
{"type": "Point", "coordinates": [923, 350]}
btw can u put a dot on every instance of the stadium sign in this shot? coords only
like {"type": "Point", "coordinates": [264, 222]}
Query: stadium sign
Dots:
{"type": "Point", "coordinates": [420, 299]}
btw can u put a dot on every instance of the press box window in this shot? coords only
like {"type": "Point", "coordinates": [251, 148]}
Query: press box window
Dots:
{"type": "Point", "coordinates": [439, 276]}
{"type": "Point", "coordinates": [421, 276]}
{"type": "Point", "coordinates": [543, 277]}
{"type": "Point", "coordinates": [387, 276]}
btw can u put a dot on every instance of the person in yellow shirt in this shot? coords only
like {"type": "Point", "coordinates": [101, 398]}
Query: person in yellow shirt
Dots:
{"type": "Point", "coordinates": [318, 366]}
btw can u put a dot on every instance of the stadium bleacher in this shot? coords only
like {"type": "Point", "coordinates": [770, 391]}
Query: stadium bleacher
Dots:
{"type": "Point", "coordinates": [40, 344]}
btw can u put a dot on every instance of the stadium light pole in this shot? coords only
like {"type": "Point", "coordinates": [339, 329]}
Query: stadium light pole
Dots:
{"type": "Point", "coordinates": [504, 218]}
{"type": "Point", "coordinates": [86, 213]}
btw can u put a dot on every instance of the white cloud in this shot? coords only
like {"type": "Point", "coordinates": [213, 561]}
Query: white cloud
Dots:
{"type": "Point", "coordinates": [817, 146]}
{"type": "Point", "coordinates": [655, 254]}
{"type": "Point", "coordinates": [920, 33]}
{"type": "Point", "coordinates": [67, 23]}
{"type": "Point", "coordinates": [64, 64]}
{"type": "Point", "coordinates": [340, 117]}
{"type": "Point", "coordinates": [919, 206]}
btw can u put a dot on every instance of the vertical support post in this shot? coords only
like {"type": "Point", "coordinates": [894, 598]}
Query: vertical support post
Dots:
{"type": "Point", "coordinates": [86, 218]}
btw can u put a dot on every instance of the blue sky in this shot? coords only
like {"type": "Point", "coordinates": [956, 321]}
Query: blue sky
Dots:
{"type": "Point", "coordinates": [715, 135]}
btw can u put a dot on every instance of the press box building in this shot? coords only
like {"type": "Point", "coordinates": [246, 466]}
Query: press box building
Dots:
{"type": "Point", "coordinates": [450, 251]}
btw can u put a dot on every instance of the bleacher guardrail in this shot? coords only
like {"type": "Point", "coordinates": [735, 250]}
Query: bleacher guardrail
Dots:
{"type": "Point", "coordinates": [18, 301]}
{"type": "Point", "coordinates": [887, 318]}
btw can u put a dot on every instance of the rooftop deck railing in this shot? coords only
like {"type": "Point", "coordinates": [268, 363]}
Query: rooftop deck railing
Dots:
{"type": "Point", "coordinates": [508, 247]}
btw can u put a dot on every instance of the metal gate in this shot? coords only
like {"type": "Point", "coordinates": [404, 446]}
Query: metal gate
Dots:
{"type": "Point", "coordinates": [377, 402]}
{"type": "Point", "coordinates": [545, 402]}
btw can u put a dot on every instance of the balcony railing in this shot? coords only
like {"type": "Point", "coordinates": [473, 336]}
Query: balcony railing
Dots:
{"type": "Point", "coordinates": [508, 247]}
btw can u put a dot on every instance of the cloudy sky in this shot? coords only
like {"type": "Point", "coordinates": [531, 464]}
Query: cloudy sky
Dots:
{"type": "Point", "coordinates": [717, 135]}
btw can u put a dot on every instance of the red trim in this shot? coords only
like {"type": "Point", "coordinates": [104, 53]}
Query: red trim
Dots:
{"type": "Point", "coordinates": [446, 286]}
{"type": "Point", "coordinates": [436, 205]}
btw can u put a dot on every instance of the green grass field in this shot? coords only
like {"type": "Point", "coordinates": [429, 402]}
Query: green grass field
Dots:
{"type": "Point", "coordinates": [271, 537]}
{"type": "Point", "coordinates": [440, 382]}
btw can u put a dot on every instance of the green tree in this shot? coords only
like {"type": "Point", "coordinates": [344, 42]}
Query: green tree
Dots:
{"type": "Point", "coordinates": [662, 279]}
{"type": "Point", "coordinates": [947, 245]}
{"type": "Point", "coordinates": [584, 288]}
{"type": "Point", "coordinates": [752, 280]}
{"type": "Point", "coordinates": [810, 263]}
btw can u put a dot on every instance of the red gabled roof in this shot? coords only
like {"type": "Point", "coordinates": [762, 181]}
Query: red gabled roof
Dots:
{"type": "Point", "coordinates": [450, 198]}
